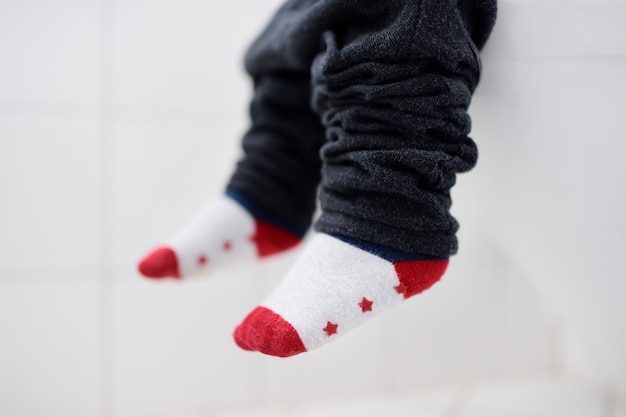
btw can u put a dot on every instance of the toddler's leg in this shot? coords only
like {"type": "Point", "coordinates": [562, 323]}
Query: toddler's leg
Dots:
{"type": "Point", "coordinates": [392, 85]}
{"type": "Point", "coordinates": [270, 198]}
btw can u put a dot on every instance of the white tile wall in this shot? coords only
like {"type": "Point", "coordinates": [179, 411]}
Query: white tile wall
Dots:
{"type": "Point", "coordinates": [48, 183]}
{"type": "Point", "coordinates": [423, 404]}
{"type": "Point", "coordinates": [551, 168]}
{"type": "Point", "coordinates": [162, 172]}
{"type": "Point", "coordinates": [173, 348]}
{"type": "Point", "coordinates": [559, 28]}
{"type": "Point", "coordinates": [161, 59]}
{"type": "Point", "coordinates": [49, 348]}
{"type": "Point", "coordinates": [119, 118]}
{"type": "Point", "coordinates": [484, 317]}
{"type": "Point", "coordinates": [184, 54]}
{"type": "Point", "coordinates": [352, 364]}
{"type": "Point", "coordinates": [522, 396]}
{"type": "Point", "coordinates": [533, 397]}
{"type": "Point", "coordinates": [49, 51]}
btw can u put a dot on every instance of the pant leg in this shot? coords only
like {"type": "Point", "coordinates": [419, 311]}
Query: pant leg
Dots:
{"type": "Point", "coordinates": [392, 88]}
{"type": "Point", "coordinates": [280, 168]}
{"type": "Point", "coordinates": [392, 81]}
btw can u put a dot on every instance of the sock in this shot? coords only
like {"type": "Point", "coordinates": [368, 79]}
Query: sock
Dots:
{"type": "Point", "coordinates": [230, 228]}
{"type": "Point", "coordinates": [335, 285]}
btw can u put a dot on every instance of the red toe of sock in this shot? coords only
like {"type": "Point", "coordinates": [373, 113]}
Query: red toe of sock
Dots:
{"type": "Point", "coordinates": [160, 263]}
{"type": "Point", "coordinates": [239, 339]}
{"type": "Point", "coordinates": [267, 332]}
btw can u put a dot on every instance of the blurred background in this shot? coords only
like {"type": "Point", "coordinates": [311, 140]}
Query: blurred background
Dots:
{"type": "Point", "coordinates": [118, 119]}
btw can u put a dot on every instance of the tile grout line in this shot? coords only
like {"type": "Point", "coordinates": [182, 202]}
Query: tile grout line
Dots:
{"type": "Point", "coordinates": [105, 399]}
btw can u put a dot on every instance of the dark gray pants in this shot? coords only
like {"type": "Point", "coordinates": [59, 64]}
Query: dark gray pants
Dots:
{"type": "Point", "coordinates": [371, 98]}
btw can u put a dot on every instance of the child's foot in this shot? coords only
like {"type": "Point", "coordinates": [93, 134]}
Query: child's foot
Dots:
{"type": "Point", "coordinates": [334, 286]}
{"type": "Point", "coordinates": [229, 228]}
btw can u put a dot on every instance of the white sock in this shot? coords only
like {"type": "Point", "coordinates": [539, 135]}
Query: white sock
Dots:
{"type": "Point", "coordinates": [223, 231]}
{"type": "Point", "coordinates": [332, 288]}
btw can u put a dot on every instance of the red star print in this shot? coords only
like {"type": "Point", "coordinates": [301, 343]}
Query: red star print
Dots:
{"type": "Point", "coordinates": [366, 305]}
{"type": "Point", "coordinates": [202, 260]}
{"type": "Point", "coordinates": [330, 328]}
{"type": "Point", "coordinates": [227, 245]}
{"type": "Point", "coordinates": [401, 289]}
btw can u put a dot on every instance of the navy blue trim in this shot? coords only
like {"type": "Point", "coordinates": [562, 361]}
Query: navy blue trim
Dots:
{"type": "Point", "coordinates": [260, 213]}
{"type": "Point", "coordinates": [389, 254]}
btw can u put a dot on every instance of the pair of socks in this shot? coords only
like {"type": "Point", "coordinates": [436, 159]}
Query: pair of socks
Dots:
{"type": "Point", "coordinates": [362, 105]}
{"type": "Point", "coordinates": [335, 285]}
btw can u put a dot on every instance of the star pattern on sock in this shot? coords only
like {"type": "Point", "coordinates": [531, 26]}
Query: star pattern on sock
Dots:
{"type": "Point", "coordinates": [225, 229]}
{"type": "Point", "coordinates": [284, 325]}
{"type": "Point", "coordinates": [401, 289]}
{"type": "Point", "coordinates": [330, 328]}
{"type": "Point", "coordinates": [366, 305]}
